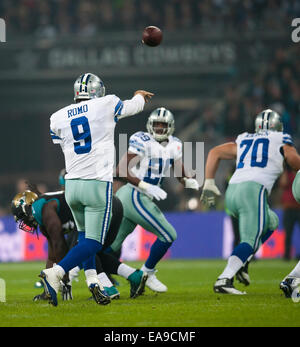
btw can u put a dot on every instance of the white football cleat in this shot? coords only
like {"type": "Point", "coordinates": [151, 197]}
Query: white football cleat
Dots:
{"type": "Point", "coordinates": [154, 284]}
{"type": "Point", "coordinates": [51, 282]}
{"type": "Point", "coordinates": [288, 285]}
{"type": "Point", "coordinates": [225, 286]}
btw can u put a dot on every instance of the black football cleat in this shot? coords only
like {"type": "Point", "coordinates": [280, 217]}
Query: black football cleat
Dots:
{"type": "Point", "coordinates": [288, 285]}
{"type": "Point", "coordinates": [225, 286]}
{"type": "Point", "coordinates": [100, 296]}
{"type": "Point", "coordinates": [242, 275]}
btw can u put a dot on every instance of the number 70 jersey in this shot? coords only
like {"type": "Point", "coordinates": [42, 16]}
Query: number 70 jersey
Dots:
{"type": "Point", "coordinates": [259, 157]}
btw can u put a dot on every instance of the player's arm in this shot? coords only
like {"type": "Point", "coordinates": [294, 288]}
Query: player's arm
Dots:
{"type": "Point", "coordinates": [53, 227]}
{"type": "Point", "coordinates": [124, 172]}
{"type": "Point", "coordinates": [225, 151]}
{"type": "Point", "coordinates": [291, 156]}
{"type": "Point", "coordinates": [133, 106]}
{"type": "Point", "coordinates": [127, 162]}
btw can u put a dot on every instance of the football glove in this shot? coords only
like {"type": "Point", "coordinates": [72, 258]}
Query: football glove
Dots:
{"type": "Point", "coordinates": [41, 297]}
{"type": "Point", "coordinates": [191, 183]}
{"type": "Point", "coordinates": [74, 274]}
{"type": "Point", "coordinates": [152, 190]}
{"type": "Point", "coordinates": [66, 291]}
{"type": "Point", "coordinates": [209, 193]}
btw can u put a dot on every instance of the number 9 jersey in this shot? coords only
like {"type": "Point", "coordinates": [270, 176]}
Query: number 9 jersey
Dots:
{"type": "Point", "coordinates": [259, 157]}
{"type": "Point", "coordinates": [156, 159]}
{"type": "Point", "coordinates": [85, 131]}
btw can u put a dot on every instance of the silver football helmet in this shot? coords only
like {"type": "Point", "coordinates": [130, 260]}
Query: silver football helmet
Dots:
{"type": "Point", "coordinates": [161, 115]}
{"type": "Point", "coordinates": [268, 120]}
{"type": "Point", "coordinates": [88, 86]}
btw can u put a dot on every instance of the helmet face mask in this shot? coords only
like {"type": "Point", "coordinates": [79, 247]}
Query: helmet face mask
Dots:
{"type": "Point", "coordinates": [268, 120]}
{"type": "Point", "coordinates": [161, 124]}
{"type": "Point", "coordinates": [22, 210]}
{"type": "Point", "coordinates": [160, 128]}
{"type": "Point", "coordinates": [88, 86]}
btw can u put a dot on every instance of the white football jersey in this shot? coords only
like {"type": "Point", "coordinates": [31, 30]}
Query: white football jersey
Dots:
{"type": "Point", "coordinates": [259, 157]}
{"type": "Point", "coordinates": [155, 159]}
{"type": "Point", "coordinates": [85, 132]}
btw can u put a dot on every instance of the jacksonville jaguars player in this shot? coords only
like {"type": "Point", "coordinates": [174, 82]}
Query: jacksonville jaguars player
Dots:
{"type": "Point", "coordinates": [149, 158]}
{"type": "Point", "coordinates": [259, 162]}
{"type": "Point", "coordinates": [85, 131]}
{"type": "Point", "coordinates": [51, 213]}
{"type": "Point", "coordinates": [292, 281]}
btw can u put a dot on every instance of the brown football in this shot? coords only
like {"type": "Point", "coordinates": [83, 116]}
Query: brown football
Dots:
{"type": "Point", "coordinates": [152, 36]}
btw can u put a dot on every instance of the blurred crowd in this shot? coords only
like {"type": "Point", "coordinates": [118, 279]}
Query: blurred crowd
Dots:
{"type": "Point", "coordinates": [88, 18]}
{"type": "Point", "coordinates": [274, 85]}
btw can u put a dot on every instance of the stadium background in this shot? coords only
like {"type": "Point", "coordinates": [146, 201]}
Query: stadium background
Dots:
{"type": "Point", "coordinates": [220, 63]}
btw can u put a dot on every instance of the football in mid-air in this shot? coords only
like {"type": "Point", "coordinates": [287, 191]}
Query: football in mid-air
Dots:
{"type": "Point", "coordinates": [152, 36]}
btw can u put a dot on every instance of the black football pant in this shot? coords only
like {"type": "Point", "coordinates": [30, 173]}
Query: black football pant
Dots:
{"type": "Point", "coordinates": [109, 263]}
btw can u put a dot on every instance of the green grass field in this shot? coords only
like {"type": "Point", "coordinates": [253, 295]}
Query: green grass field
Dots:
{"type": "Point", "coordinates": [189, 302]}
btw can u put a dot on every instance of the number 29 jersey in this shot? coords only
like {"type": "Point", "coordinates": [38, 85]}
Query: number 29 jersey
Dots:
{"type": "Point", "coordinates": [259, 157]}
{"type": "Point", "coordinates": [85, 132]}
{"type": "Point", "coordinates": [155, 159]}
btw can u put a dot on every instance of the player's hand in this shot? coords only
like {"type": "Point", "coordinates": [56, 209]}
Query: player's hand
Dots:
{"type": "Point", "coordinates": [191, 183]}
{"type": "Point", "coordinates": [152, 190]}
{"type": "Point", "coordinates": [66, 291]}
{"type": "Point", "coordinates": [74, 274]}
{"type": "Point", "coordinates": [209, 193]}
{"type": "Point", "coordinates": [41, 297]}
{"type": "Point", "coordinates": [146, 95]}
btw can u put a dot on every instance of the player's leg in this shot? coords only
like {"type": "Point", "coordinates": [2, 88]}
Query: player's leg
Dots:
{"type": "Point", "coordinates": [296, 187]}
{"type": "Point", "coordinates": [150, 217]}
{"type": "Point", "coordinates": [126, 228]}
{"type": "Point", "coordinates": [242, 275]}
{"type": "Point", "coordinates": [136, 277]}
{"type": "Point", "coordinates": [116, 220]}
{"type": "Point", "coordinates": [248, 201]}
{"type": "Point", "coordinates": [289, 222]}
{"type": "Point", "coordinates": [96, 197]}
{"type": "Point", "coordinates": [139, 209]}
{"type": "Point", "coordinates": [97, 214]}
{"type": "Point", "coordinates": [291, 282]}
{"type": "Point", "coordinates": [107, 264]}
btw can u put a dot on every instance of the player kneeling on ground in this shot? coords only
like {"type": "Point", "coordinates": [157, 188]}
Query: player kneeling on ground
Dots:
{"type": "Point", "coordinates": [52, 215]}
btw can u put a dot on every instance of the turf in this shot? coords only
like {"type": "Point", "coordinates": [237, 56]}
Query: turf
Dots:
{"type": "Point", "coordinates": [189, 302]}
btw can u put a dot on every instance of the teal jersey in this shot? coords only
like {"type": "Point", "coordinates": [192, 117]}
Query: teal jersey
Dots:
{"type": "Point", "coordinates": [63, 210]}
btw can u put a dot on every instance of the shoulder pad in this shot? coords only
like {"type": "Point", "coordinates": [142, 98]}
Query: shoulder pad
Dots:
{"type": "Point", "coordinates": [176, 139]}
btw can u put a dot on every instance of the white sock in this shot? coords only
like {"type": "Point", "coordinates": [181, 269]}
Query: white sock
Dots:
{"type": "Point", "coordinates": [125, 270]}
{"type": "Point", "coordinates": [296, 271]}
{"type": "Point", "coordinates": [59, 270]}
{"type": "Point", "coordinates": [104, 280]}
{"type": "Point", "coordinates": [233, 265]}
{"type": "Point", "coordinates": [145, 269]}
{"type": "Point", "coordinates": [90, 273]}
